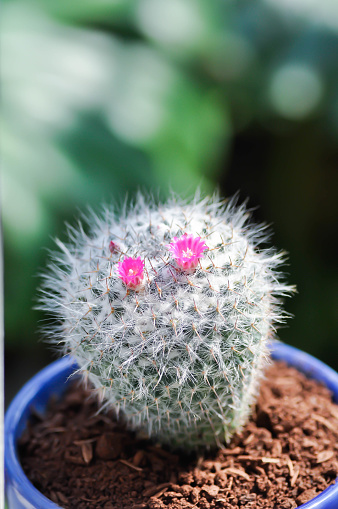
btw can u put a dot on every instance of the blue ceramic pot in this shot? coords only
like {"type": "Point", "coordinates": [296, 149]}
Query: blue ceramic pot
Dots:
{"type": "Point", "coordinates": [21, 494]}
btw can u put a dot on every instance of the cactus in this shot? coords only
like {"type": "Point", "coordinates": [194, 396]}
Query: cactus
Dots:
{"type": "Point", "coordinates": [167, 311]}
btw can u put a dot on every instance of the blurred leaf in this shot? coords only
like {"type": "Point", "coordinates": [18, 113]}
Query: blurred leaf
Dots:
{"type": "Point", "coordinates": [91, 10]}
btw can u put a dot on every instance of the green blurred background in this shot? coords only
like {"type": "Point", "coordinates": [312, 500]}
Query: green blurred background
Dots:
{"type": "Point", "coordinates": [103, 97]}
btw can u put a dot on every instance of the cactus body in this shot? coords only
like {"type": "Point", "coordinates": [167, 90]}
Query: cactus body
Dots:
{"type": "Point", "coordinates": [182, 354]}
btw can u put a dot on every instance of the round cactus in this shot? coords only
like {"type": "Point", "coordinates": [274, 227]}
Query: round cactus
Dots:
{"type": "Point", "coordinates": [167, 311]}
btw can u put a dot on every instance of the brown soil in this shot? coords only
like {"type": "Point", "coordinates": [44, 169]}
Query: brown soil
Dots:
{"type": "Point", "coordinates": [285, 456]}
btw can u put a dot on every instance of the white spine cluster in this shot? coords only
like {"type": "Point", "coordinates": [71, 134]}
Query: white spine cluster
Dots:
{"type": "Point", "coordinates": [183, 356]}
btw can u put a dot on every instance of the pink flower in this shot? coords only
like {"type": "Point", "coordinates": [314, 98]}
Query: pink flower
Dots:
{"type": "Point", "coordinates": [187, 251]}
{"type": "Point", "coordinates": [113, 248]}
{"type": "Point", "coordinates": [131, 271]}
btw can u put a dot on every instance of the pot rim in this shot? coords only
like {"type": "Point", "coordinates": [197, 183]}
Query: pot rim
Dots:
{"type": "Point", "coordinates": [53, 375]}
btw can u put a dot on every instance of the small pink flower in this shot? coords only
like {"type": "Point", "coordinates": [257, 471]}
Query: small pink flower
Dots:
{"type": "Point", "coordinates": [131, 271]}
{"type": "Point", "coordinates": [113, 248]}
{"type": "Point", "coordinates": [187, 251]}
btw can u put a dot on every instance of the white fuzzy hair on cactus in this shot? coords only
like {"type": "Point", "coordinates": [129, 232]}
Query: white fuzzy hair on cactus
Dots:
{"type": "Point", "coordinates": [167, 310]}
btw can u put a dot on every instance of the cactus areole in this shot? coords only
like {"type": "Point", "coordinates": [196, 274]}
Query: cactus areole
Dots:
{"type": "Point", "coordinates": [171, 327]}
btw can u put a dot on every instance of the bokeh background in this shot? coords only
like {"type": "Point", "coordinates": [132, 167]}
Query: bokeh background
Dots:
{"type": "Point", "coordinates": [103, 97]}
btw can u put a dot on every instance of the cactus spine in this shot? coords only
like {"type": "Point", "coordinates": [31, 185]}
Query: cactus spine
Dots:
{"type": "Point", "coordinates": [179, 348]}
